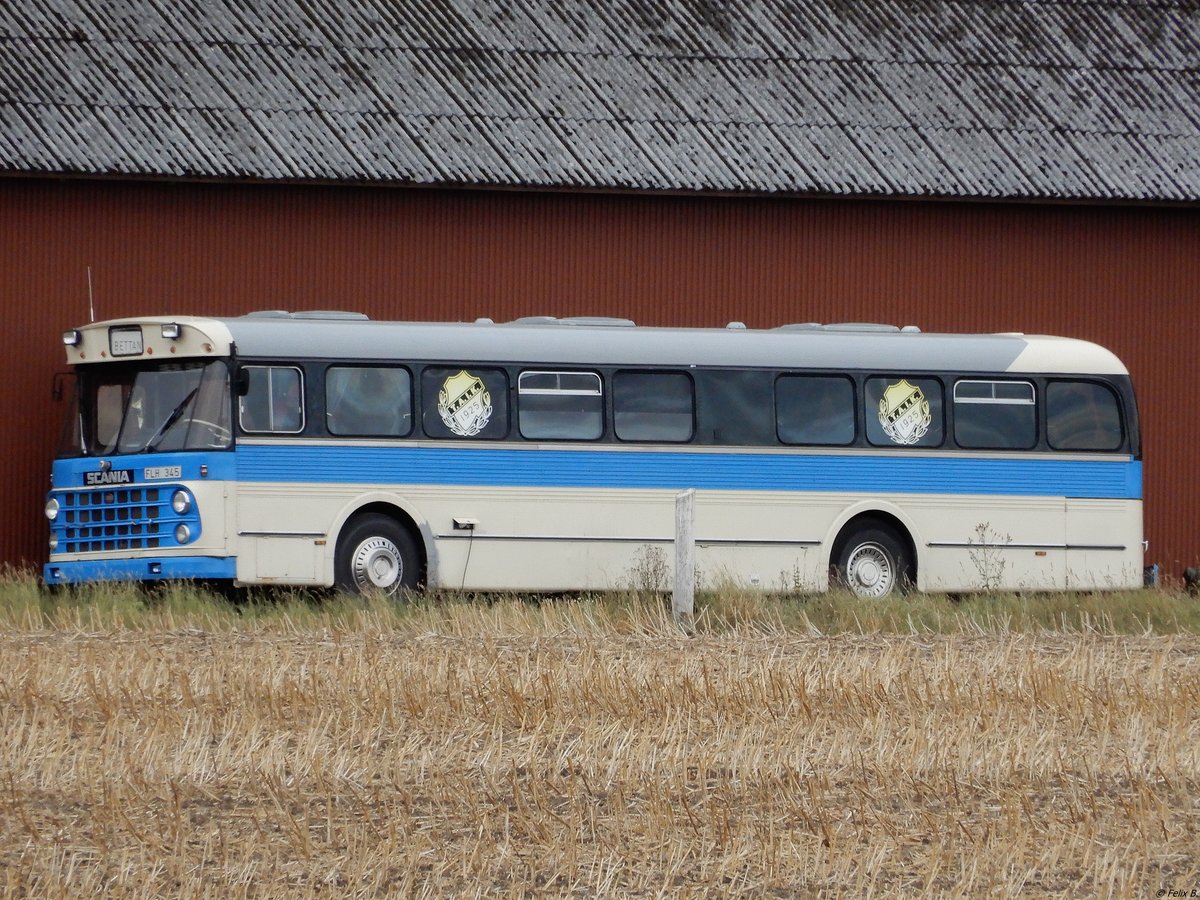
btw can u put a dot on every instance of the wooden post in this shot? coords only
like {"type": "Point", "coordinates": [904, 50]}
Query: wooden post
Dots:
{"type": "Point", "coordinates": [683, 598]}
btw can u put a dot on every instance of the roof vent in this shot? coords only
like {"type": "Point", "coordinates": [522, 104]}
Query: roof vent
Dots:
{"type": "Point", "coordinates": [862, 326]}
{"type": "Point", "coordinates": [601, 321]}
{"type": "Point", "coordinates": [736, 326]}
{"type": "Point", "coordinates": [307, 314]}
{"type": "Point", "coordinates": [338, 314]}
{"type": "Point", "coordinates": [534, 320]}
{"type": "Point", "coordinates": [596, 321]}
{"type": "Point", "coordinates": [872, 327]}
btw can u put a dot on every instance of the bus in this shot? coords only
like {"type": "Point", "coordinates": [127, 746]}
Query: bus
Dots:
{"type": "Point", "coordinates": [546, 454]}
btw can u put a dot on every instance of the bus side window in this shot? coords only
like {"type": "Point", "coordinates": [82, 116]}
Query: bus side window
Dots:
{"type": "Point", "coordinates": [1082, 415]}
{"type": "Point", "coordinates": [467, 402]}
{"type": "Point", "coordinates": [734, 407]}
{"type": "Point", "coordinates": [815, 410]}
{"type": "Point", "coordinates": [904, 412]}
{"type": "Point", "coordinates": [653, 406]}
{"type": "Point", "coordinates": [274, 400]}
{"type": "Point", "coordinates": [564, 406]}
{"type": "Point", "coordinates": [994, 415]}
{"type": "Point", "coordinates": [370, 401]}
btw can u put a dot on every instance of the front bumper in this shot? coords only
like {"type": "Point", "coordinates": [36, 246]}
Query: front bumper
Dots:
{"type": "Point", "coordinates": [161, 568]}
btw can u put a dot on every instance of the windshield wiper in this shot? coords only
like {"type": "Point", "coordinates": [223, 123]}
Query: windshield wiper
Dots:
{"type": "Point", "coordinates": [151, 445]}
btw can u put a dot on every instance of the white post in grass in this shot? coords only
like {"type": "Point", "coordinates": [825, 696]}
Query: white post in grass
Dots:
{"type": "Point", "coordinates": [683, 598]}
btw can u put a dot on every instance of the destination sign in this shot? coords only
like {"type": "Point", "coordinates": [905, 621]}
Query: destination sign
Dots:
{"type": "Point", "coordinates": [125, 341]}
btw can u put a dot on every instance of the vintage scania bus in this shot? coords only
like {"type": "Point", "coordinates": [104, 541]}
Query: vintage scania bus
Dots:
{"type": "Point", "coordinates": [546, 454]}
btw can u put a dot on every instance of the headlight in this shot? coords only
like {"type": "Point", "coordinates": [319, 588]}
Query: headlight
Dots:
{"type": "Point", "coordinates": [51, 509]}
{"type": "Point", "coordinates": [181, 502]}
{"type": "Point", "coordinates": [182, 533]}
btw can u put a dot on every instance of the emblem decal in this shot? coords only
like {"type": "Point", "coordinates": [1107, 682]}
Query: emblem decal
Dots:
{"type": "Point", "coordinates": [904, 412]}
{"type": "Point", "coordinates": [464, 404]}
{"type": "Point", "coordinates": [108, 476]}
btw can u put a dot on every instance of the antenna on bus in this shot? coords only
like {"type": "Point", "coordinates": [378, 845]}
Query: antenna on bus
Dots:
{"type": "Point", "coordinates": [91, 299]}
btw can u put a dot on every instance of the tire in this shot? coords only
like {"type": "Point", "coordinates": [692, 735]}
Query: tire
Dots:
{"type": "Point", "coordinates": [873, 562]}
{"type": "Point", "coordinates": [376, 555]}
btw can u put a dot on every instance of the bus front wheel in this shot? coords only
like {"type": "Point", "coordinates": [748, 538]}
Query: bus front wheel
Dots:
{"type": "Point", "coordinates": [873, 562]}
{"type": "Point", "coordinates": [375, 554]}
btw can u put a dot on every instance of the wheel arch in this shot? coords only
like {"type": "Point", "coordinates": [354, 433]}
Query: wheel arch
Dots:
{"type": "Point", "coordinates": [403, 513]}
{"type": "Point", "coordinates": [862, 515]}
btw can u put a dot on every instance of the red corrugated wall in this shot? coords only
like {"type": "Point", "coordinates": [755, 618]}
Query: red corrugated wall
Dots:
{"type": "Point", "coordinates": [1121, 276]}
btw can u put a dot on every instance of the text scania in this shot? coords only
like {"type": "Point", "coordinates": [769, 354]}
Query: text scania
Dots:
{"type": "Point", "coordinates": [115, 476]}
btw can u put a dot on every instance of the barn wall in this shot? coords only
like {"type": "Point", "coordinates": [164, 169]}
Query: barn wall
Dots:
{"type": "Point", "coordinates": [1121, 276]}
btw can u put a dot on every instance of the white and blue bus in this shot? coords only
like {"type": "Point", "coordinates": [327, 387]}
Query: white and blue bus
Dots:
{"type": "Point", "coordinates": [546, 455]}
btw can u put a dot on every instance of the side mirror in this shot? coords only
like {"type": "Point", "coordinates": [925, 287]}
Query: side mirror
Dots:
{"type": "Point", "coordinates": [58, 386]}
{"type": "Point", "coordinates": [241, 383]}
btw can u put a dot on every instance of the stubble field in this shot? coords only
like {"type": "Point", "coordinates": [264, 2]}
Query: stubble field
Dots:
{"type": "Point", "coordinates": [177, 746]}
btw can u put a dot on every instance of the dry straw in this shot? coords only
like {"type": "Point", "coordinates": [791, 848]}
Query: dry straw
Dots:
{"type": "Point", "coordinates": [584, 748]}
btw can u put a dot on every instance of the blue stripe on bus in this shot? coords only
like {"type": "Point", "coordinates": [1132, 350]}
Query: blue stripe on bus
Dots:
{"type": "Point", "coordinates": [69, 471]}
{"type": "Point", "coordinates": [599, 468]}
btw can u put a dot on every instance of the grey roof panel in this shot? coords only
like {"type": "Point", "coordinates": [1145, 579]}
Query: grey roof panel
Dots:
{"type": "Point", "coordinates": [29, 73]}
{"type": "Point", "coordinates": [591, 345]}
{"type": "Point", "coordinates": [207, 21]}
{"type": "Point", "coordinates": [806, 30]}
{"type": "Point", "coordinates": [778, 90]}
{"type": "Point", "coordinates": [1161, 165]}
{"type": "Point", "coordinates": [406, 82]}
{"type": "Point", "coordinates": [60, 19]}
{"type": "Point", "coordinates": [1048, 161]}
{"type": "Point", "coordinates": [510, 26]}
{"type": "Point", "coordinates": [462, 149]}
{"type": "Point", "coordinates": [611, 87]}
{"type": "Point", "coordinates": [997, 96]}
{"type": "Point", "coordinates": [1033, 99]}
{"type": "Point", "coordinates": [612, 147]}
{"type": "Point", "coordinates": [23, 142]}
{"type": "Point", "coordinates": [989, 166]}
{"type": "Point", "coordinates": [833, 157]}
{"type": "Point", "coordinates": [924, 96]}
{"type": "Point", "coordinates": [753, 150]}
{"type": "Point", "coordinates": [909, 156]}
{"type": "Point", "coordinates": [851, 94]}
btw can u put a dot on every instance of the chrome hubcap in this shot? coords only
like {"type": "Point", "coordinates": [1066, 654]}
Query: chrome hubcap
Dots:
{"type": "Point", "coordinates": [376, 565]}
{"type": "Point", "coordinates": [870, 571]}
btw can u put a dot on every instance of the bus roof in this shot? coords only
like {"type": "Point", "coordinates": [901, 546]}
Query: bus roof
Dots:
{"type": "Point", "coordinates": [600, 342]}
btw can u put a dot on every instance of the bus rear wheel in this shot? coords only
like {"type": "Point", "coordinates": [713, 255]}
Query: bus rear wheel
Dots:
{"type": "Point", "coordinates": [873, 562]}
{"type": "Point", "coordinates": [375, 554]}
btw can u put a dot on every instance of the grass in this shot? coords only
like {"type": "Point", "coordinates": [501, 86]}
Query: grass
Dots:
{"type": "Point", "coordinates": [172, 743]}
{"type": "Point", "coordinates": [24, 605]}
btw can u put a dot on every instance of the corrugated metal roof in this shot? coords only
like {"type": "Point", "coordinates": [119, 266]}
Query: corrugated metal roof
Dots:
{"type": "Point", "coordinates": [1004, 99]}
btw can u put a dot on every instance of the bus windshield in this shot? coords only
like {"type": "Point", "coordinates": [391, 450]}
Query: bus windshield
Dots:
{"type": "Point", "coordinates": [147, 410]}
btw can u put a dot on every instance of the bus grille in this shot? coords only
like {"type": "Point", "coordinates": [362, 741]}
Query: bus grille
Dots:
{"type": "Point", "coordinates": [116, 519]}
